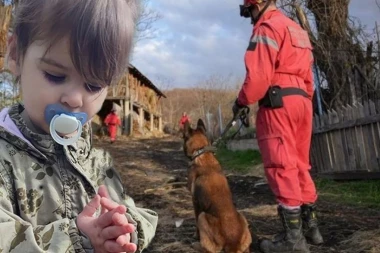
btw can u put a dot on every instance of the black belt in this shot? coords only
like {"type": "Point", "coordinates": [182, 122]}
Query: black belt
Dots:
{"type": "Point", "coordinates": [273, 97]}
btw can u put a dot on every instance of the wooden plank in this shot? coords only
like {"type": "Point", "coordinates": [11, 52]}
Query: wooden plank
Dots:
{"type": "Point", "coordinates": [336, 138]}
{"type": "Point", "coordinates": [114, 98]}
{"type": "Point", "coordinates": [350, 142]}
{"type": "Point", "coordinates": [317, 151]}
{"type": "Point", "coordinates": [369, 140]}
{"type": "Point", "coordinates": [372, 107]}
{"type": "Point", "coordinates": [320, 145]}
{"type": "Point", "coordinates": [322, 120]}
{"type": "Point", "coordinates": [352, 123]}
{"type": "Point", "coordinates": [376, 137]}
{"type": "Point", "coordinates": [359, 113]}
{"type": "Point", "coordinates": [329, 141]}
{"type": "Point", "coordinates": [356, 140]}
{"type": "Point", "coordinates": [324, 154]}
{"type": "Point", "coordinates": [343, 140]}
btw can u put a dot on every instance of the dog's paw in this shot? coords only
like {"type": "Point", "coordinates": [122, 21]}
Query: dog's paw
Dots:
{"type": "Point", "coordinates": [197, 246]}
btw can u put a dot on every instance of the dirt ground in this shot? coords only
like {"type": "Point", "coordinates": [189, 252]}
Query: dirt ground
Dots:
{"type": "Point", "coordinates": [154, 173]}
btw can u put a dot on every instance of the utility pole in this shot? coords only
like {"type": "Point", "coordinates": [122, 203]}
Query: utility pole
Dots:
{"type": "Point", "coordinates": [220, 119]}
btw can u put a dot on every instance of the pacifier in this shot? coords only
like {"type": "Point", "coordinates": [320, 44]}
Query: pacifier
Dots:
{"type": "Point", "coordinates": [64, 122]}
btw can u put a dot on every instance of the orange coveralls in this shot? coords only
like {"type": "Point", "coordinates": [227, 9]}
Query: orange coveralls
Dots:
{"type": "Point", "coordinates": [280, 53]}
{"type": "Point", "coordinates": [182, 121]}
{"type": "Point", "coordinates": [112, 121]}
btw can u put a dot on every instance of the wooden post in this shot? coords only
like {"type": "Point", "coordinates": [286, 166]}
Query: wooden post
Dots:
{"type": "Point", "coordinates": [128, 106]}
{"type": "Point", "coordinates": [151, 122]}
{"type": "Point", "coordinates": [127, 114]}
{"type": "Point", "coordinates": [131, 113]}
{"type": "Point", "coordinates": [127, 88]}
{"type": "Point", "coordinates": [114, 91]}
{"type": "Point", "coordinates": [160, 123]}
{"type": "Point", "coordinates": [141, 119]}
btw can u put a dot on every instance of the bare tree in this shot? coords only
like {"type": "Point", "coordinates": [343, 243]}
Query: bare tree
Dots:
{"type": "Point", "coordinates": [171, 106]}
{"type": "Point", "coordinates": [9, 92]}
{"type": "Point", "coordinates": [216, 92]}
{"type": "Point", "coordinates": [342, 51]}
{"type": "Point", "coordinates": [5, 19]}
{"type": "Point", "coordinates": [145, 25]}
{"type": "Point", "coordinates": [208, 92]}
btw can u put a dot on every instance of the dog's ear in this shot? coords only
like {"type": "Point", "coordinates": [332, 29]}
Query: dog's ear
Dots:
{"type": "Point", "coordinates": [201, 126]}
{"type": "Point", "coordinates": [187, 130]}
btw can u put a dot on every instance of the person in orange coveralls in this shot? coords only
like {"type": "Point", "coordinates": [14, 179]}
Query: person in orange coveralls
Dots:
{"type": "Point", "coordinates": [279, 76]}
{"type": "Point", "coordinates": [112, 122]}
{"type": "Point", "coordinates": [183, 120]}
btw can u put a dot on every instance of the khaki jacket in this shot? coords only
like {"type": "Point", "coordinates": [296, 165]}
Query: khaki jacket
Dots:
{"type": "Point", "coordinates": [44, 186]}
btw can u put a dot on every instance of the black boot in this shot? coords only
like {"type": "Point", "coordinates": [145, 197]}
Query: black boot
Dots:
{"type": "Point", "coordinates": [292, 239]}
{"type": "Point", "coordinates": [310, 224]}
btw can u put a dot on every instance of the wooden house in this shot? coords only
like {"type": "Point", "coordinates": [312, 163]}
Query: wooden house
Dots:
{"type": "Point", "coordinates": [137, 101]}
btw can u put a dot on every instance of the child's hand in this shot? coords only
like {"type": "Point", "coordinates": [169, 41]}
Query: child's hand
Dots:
{"type": "Point", "coordinates": [99, 229]}
{"type": "Point", "coordinates": [119, 220]}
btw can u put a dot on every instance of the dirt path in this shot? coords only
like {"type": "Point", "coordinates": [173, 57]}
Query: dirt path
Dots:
{"type": "Point", "coordinates": [154, 173]}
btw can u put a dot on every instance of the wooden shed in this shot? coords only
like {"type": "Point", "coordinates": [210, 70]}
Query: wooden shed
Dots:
{"type": "Point", "coordinates": [138, 103]}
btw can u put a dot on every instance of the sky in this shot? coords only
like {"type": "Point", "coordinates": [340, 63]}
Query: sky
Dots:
{"type": "Point", "coordinates": [195, 39]}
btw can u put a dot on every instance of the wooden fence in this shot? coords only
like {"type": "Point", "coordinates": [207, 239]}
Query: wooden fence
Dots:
{"type": "Point", "coordinates": [346, 142]}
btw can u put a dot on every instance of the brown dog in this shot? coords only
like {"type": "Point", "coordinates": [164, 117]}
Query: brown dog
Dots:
{"type": "Point", "coordinates": [219, 224]}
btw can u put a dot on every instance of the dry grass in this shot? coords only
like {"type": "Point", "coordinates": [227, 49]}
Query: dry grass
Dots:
{"type": "Point", "coordinates": [261, 211]}
{"type": "Point", "coordinates": [362, 241]}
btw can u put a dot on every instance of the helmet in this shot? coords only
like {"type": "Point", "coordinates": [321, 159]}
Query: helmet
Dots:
{"type": "Point", "coordinates": [245, 9]}
{"type": "Point", "coordinates": [252, 2]}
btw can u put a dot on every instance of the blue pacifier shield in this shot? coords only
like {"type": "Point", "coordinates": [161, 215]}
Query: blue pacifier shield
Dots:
{"type": "Point", "coordinates": [56, 109]}
{"type": "Point", "coordinates": [63, 122]}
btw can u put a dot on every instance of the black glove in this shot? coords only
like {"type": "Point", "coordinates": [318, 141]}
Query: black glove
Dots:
{"type": "Point", "coordinates": [236, 107]}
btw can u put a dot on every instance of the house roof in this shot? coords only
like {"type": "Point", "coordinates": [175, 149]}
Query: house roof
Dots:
{"type": "Point", "coordinates": [134, 71]}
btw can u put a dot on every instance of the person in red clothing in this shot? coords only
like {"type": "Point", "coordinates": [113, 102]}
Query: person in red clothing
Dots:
{"type": "Point", "coordinates": [183, 120]}
{"type": "Point", "coordinates": [279, 76]}
{"type": "Point", "coordinates": [112, 122]}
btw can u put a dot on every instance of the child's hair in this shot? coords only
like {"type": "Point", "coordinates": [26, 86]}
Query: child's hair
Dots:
{"type": "Point", "coordinates": [100, 33]}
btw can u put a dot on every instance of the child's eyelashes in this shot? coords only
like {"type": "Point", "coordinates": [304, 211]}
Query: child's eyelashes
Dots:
{"type": "Point", "coordinates": [54, 78]}
{"type": "Point", "coordinates": [60, 79]}
{"type": "Point", "coordinates": [93, 88]}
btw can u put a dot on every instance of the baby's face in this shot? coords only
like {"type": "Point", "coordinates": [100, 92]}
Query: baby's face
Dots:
{"type": "Point", "coordinates": [52, 79]}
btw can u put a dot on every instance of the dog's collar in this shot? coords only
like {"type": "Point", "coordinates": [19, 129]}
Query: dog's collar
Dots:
{"type": "Point", "coordinates": [202, 151]}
